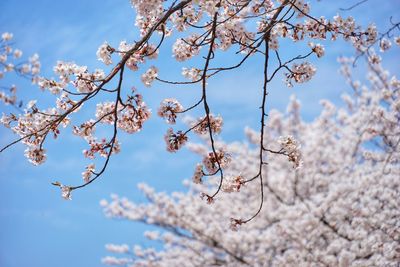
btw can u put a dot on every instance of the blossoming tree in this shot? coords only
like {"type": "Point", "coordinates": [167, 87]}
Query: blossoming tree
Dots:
{"type": "Point", "coordinates": [341, 208]}
{"type": "Point", "coordinates": [246, 28]}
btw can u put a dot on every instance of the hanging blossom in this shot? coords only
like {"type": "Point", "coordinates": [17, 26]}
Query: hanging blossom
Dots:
{"type": "Point", "coordinates": [139, 56]}
{"type": "Point", "coordinates": [149, 76]}
{"type": "Point", "coordinates": [35, 155]}
{"type": "Point", "coordinates": [104, 53]}
{"type": "Point", "coordinates": [65, 190]}
{"type": "Point", "coordinates": [147, 13]}
{"type": "Point", "coordinates": [129, 118]}
{"type": "Point", "coordinates": [292, 148]}
{"type": "Point", "coordinates": [318, 49]}
{"type": "Point", "coordinates": [385, 44]}
{"type": "Point", "coordinates": [168, 109]}
{"type": "Point", "coordinates": [232, 183]}
{"type": "Point", "coordinates": [85, 130]}
{"type": "Point", "coordinates": [33, 124]}
{"type": "Point", "coordinates": [201, 126]}
{"type": "Point", "coordinates": [211, 160]}
{"type": "Point", "coordinates": [187, 15]}
{"type": "Point", "coordinates": [300, 73]}
{"type": "Point", "coordinates": [64, 102]}
{"type": "Point", "coordinates": [105, 112]}
{"type": "Point", "coordinates": [175, 141]}
{"type": "Point", "coordinates": [198, 174]}
{"type": "Point", "coordinates": [186, 49]}
{"type": "Point", "coordinates": [85, 82]}
{"type": "Point", "coordinates": [71, 73]}
{"type": "Point", "coordinates": [11, 62]}
{"type": "Point", "coordinates": [87, 174]}
{"type": "Point", "coordinates": [103, 147]}
{"type": "Point", "coordinates": [192, 74]}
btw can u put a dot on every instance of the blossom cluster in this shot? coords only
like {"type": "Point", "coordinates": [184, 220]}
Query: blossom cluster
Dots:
{"type": "Point", "coordinates": [292, 149]}
{"type": "Point", "coordinates": [232, 183]}
{"type": "Point", "coordinates": [213, 161]}
{"type": "Point", "coordinates": [184, 49]}
{"type": "Point", "coordinates": [149, 76]}
{"type": "Point", "coordinates": [33, 127]}
{"type": "Point", "coordinates": [147, 13]}
{"type": "Point", "coordinates": [103, 147]}
{"type": "Point", "coordinates": [300, 73]}
{"type": "Point", "coordinates": [203, 124]}
{"type": "Point", "coordinates": [136, 56]}
{"type": "Point", "coordinates": [87, 174]}
{"type": "Point", "coordinates": [104, 53]}
{"type": "Point", "coordinates": [318, 49]}
{"type": "Point", "coordinates": [192, 74]}
{"type": "Point", "coordinates": [11, 62]}
{"type": "Point", "coordinates": [169, 109]}
{"type": "Point", "coordinates": [198, 174]}
{"type": "Point", "coordinates": [174, 141]}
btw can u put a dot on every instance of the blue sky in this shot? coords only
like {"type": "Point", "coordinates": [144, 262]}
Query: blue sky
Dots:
{"type": "Point", "coordinates": [37, 227]}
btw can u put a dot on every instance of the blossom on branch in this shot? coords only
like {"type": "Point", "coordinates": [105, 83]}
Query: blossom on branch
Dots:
{"type": "Point", "coordinates": [215, 160]}
{"type": "Point", "coordinates": [292, 149]}
{"type": "Point", "coordinates": [202, 125]}
{"type": "Point", "coordinates": [104, 53]}
{"type": "Point", "coordinates": [149, 76]}
{"type": "Point", "coordinates": [168, 110]}
{"type": "Point", "coordinates": [174, 141]}
{"type": "Point", "coordinates": [300, 73]}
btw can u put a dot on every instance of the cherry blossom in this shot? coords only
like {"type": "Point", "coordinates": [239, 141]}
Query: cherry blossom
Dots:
{"type": "Point", "coordinates": [384, 44]}
{"type": "Point", "coordinates": [291, 147]}
{"type": "Point", "coordinates": [149, 76]}
{"type": "Point", "coordinates": [88, 172]}
{"type": "Point", "coordinates": [35, 155]}
{"type": "Point", "coordinates": [11, 62]}
{"type": "Point", "coordinates": [202, 125]}
{"type": "Point", "coordinates": [168, 110]}
{"type": "Point", "coordinates": [341, 208]}
{"type": "Point", "coordinates": [104, 53]}
{"type": "Point", "coordinates": [198, 174]}
{"type": "Point", "coordinates": [197, 33]}
{"type": "Point", "coordinates": [232, 183]}
{"type": "Point", "coordinates": [65, 190]}
{"type": "Point", "coordinates": [318, 49]}
{"type": "Point", "coordinates": [213, 161]}
{"type": "Point", "coordinates": [7, 36]}
{"type": "Point", "coordinates": [185, 49]}
{"type": "Point", "coordinates": [300, 73]}
{"type": "Point", "coordinates": [174, 141]}
{"type": "Point", "coordinates": [192, 74]}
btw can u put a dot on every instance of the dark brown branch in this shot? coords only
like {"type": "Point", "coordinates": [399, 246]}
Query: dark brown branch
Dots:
{"type": "Point", "coordinates": [353, 6]}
